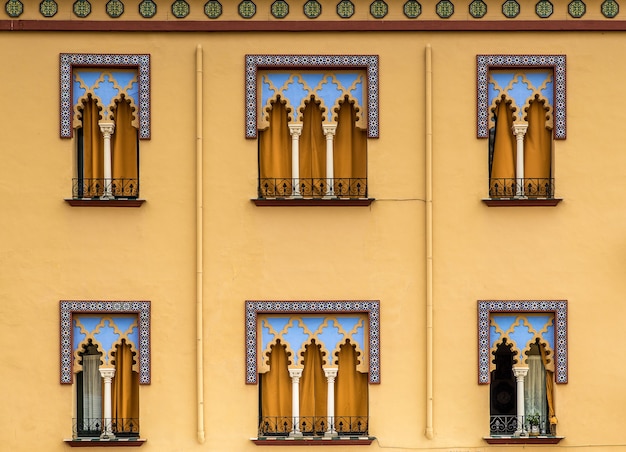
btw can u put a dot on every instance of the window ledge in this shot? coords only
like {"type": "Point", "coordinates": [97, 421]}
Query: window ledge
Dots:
{"type": "Point", "coordinates": [286, 202]}
{"type": "Point", "coordinates": [522, 202]}
{"type": "Point", "coordinates": [84, 202]}
{"type": "Point", "coordinates": [523, 439]}
{"type": "Point", "coordinates": [313, 441]}
{"type": "Point", "coordinates": [98, 442]}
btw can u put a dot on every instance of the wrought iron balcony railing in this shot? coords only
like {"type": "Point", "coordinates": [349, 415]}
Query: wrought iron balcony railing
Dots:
{"type": "Point", "coordinates": [313, 425]}
{"type": "Point", "coordinates": [507, 425]}
{"type": "Point", "coordinates": [521, 188]}
{"type": "Point", "coordinates": [312, 188]}
{"type": "Point", "coordinates": [95, 427]}
{"type": "Point", "coordinates": [99, 188]}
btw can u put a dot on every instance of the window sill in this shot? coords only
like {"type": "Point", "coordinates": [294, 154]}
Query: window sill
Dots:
{"type": "Point", "coordinates": [522, 202]}
{"type": "Point", "coordinates": [310, 202]}
{"type": "Point", "coordinates": [523, 439]}
{"type": "Point", "coordinates": [98, 442]}
{"type": "Point", "coordinates": [94, 202]}
{"type": "Point", "coordinates": [313, 441]}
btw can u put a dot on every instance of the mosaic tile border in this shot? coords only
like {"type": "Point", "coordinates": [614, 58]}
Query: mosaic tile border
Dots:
{"type": "Point", "coordinates": [371, 308]}
{"type": "Point", "coordinates": [256, 62]}
{"type": "Point", "coordinates": [69, 308]}
{"type": "Point", "coordinates": [556, 307]}
{"type": "Point", "coordinates": [484, 63]}
{"type": "Point", "coordinates": [70, 60]}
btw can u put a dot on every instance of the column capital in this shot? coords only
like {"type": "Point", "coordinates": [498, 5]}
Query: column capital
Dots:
{"type": "Point", "coordinates": [107, 128]}
{"type": "Point", "coordinates": [329, 129]}
{"type": "Point", "coordinates": [107, 372]}
{"type": "Point", "coordinates": [519, 129]}
{"type": "Point", "coordinates": [295, 373]}
{"type": "Point", "coordinates": [331, 372]}
{"type": "Point", "coordinates": [295, 128]}
{"type": "Point", "coordinates": [520, 372]}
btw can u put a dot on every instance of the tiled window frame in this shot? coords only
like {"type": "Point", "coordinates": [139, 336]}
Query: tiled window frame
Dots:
{"type": "Point", "coordinates": [68, 61]}
{"type": "Point", "coordinates": [69, 308]}
{"type": "Point", "coordinates": [256, 62]}
{"type": "Point", "coordinates": [254, 308]}
{"type": "Point", "coordinates": [558, 308]}
{"type": "Point", "coordinates": [557, 63]}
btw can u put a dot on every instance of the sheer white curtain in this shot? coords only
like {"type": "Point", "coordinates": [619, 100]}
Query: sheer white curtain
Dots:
{"type": "Point", "coordinates": [92, 390]}
{"type": "Point", "coordinates": [535, 400]}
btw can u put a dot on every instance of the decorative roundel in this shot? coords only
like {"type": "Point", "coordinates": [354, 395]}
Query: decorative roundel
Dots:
{"type": "Point", "coordinates": [247, 9]}
{"type": "Point", "coordinates": [115, 8]}
{"type": "Point", "coordinates": [48, 8]}
{"type": "Point", "coordinates": [445, 9]}
{"type": "Point", "coordinates": [213, 9]}
{"type": "Point", "coordinates": [14, 8]}
{"type": "Point", "coordinates": [280, 9]}
{"type": "Point", "coordinates": [478, 9]}
{"type": "Point", "coordinates": [412, 9]}
{"type": "Point", "coordinates": [180, 9]}
{"type": "Point", "coordinates": [610, 8]}
{"type": "Point", "coordinates": [510, 9]}
{"type": "Point", "coordinates": [577, 9]}
{"type": "Point", "coordinates": [379, 9]}
{"type": "Point", "coordinates": [345, 9]}
{"type": "Point", "coordinates": [312, 9]}
{"type": "Point", "coordinates": [544, 9]}
{"type": "Point", "coordinates": [147, 9]}
{"type": "Point", "coordinates": [82, 8]}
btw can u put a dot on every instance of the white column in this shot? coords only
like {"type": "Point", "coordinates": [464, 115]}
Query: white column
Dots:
{"type": "Point", "coordinates": [331, 374]}
{"type": "Point", "coordinates": [107, 128]}
{"type": "Point", "coordinates": [295, 375]}
{"type": "Point", "coordinates": [107, 375]}
{"type": "Point", "coordinates": [295, 130]}
{"type": "Point", "coordinates": [329, 132]}
{"type": "Point", "coordinates": [520, 373]}
{"type": "Point", "coordinates": [519, 130]}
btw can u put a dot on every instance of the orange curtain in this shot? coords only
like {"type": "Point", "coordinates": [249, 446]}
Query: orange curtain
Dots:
{"type": "Point", "coordinates": [275, 145]}
{"type": "Point", "coordinates": [549, 388]}
{"type": "Point", "coordinates": [313, 148]}
{"type": "Point", "coordinates": [125, 390]}
{"type": "Point", "coordinates": [504, 153]}
{"type": "Point", "coordinates": [276, 393]}
{"type": "Point", "coordinates": [537, 147]}
{"type": "Point", "coordinates": [124, 149]}
{"type": "Point", "coordinates": [313, 390]}
{"type": "Point", "coordinates": [350, 152]}
{"type": "Point", "coordinates": [351, 392]}
{"type": "Point", "coordinates": [93, 141]}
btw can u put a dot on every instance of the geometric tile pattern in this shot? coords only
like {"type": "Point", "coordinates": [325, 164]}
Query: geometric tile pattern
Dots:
{"type": "Point", "coordinates": [556, 308]}
{"type": "Point", "coordinates": [557, 63]}
{"type": "Point", "coordinates": [68, 308]}
{"type": "Point", "coordinates": [510, 9]}
{"type": "Point", "coordinates": [70, 60]}
{"type": "Point", "coordinates": [256, 62]}
{"type": "Point", "coordinates": [254, 308]}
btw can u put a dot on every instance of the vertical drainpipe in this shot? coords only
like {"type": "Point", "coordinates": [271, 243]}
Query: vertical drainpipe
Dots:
{"type": "Point", "coordinates": [199, 247]}
{"type": "Point", "coordinates": [429, 242]}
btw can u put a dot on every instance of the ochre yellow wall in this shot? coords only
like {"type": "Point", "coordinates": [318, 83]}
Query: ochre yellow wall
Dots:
{"type": "Point", "coordinates": [51, 251]}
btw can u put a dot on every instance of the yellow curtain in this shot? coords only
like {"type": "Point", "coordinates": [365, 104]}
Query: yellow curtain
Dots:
{"type": "Point", "coordinates": [276, 393]}
{"type": "Point", "coordinates": [350, 152]}
{"type": "Point", "coordinates": [93, 142]}
{"type": "Point", "coordinates": [313, 390]}
{"type": "Point", "coordinates": [125, 390]}
{"type": "Point", "coordinates": [537, 148]}
{"type": "Point", "coordinates": [504, 153]}
{"type": "Point", "coordinates": [275, 152]}
{"type": "Point", "coordinates": [351, 392]}
{"type": "Point", "coordinates": [313, 149]}
{"type": "Point", "coordinates": [124, 150]}
{"type": "Point", "coordinates": [549, 387]}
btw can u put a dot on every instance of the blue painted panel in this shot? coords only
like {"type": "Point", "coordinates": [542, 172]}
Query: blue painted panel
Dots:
{"type": "Point", "coordinates": [295, 92]}
{"type": "Point", "coordinates": [89, 77]}
{"type": "Point", "coordinates": [312, 79]}
{"type": "Point", "coordinates": [107, 336]}
{"type": "Point", "coordinates": [266, 337]}
{"type": "Point", "coordinates": [537, 78]}
{"type": "Point", "coordinates": [548, 336]}
{"type": "Point", "coordinates": [77, 91]}
{"type": "Point", "coordinates": [520, 92]}
{"type": "Point", "coordinates": [295, 337]}
{"type": "Point", "coordinates": [313, 323]}
{"type": "Point", "coordinates": [539, 321]}
{"type": "Point", "coordinates": [358, 338]}
{"type": "Point", "coordinates": [502, 78]}
{"type": "Point", "coordinates": [267, 93]}
{"type": "Point", "coordinates": [330, 337]}
{"type": "Point", "coordinates": [330, 92]}
{"type": "Point", "coordinates": [79, 337]}
{"type": "Point", "coordinates": [133, 336]}
{"type": "Point", "coordinates": [520, 336]}
{"type": "Point", "coordinates": [504, 321]}
{"type": "Point", "coordinates": [348, 323]}
{"type": "Point", "coordinates": [123, 323]}
{"type": "Point", "coordinates": [106, 91]}
{"type": "Point", "coordinates": [494, 335]}
{"type": "Point", "coordinates": [123, 78]}
{"type": "Point", "coordinates": [357, 93]}
{"type": "Point", "coordinates": [548, 92]}
{"type": "Point", "coordinates": [346, 79]}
